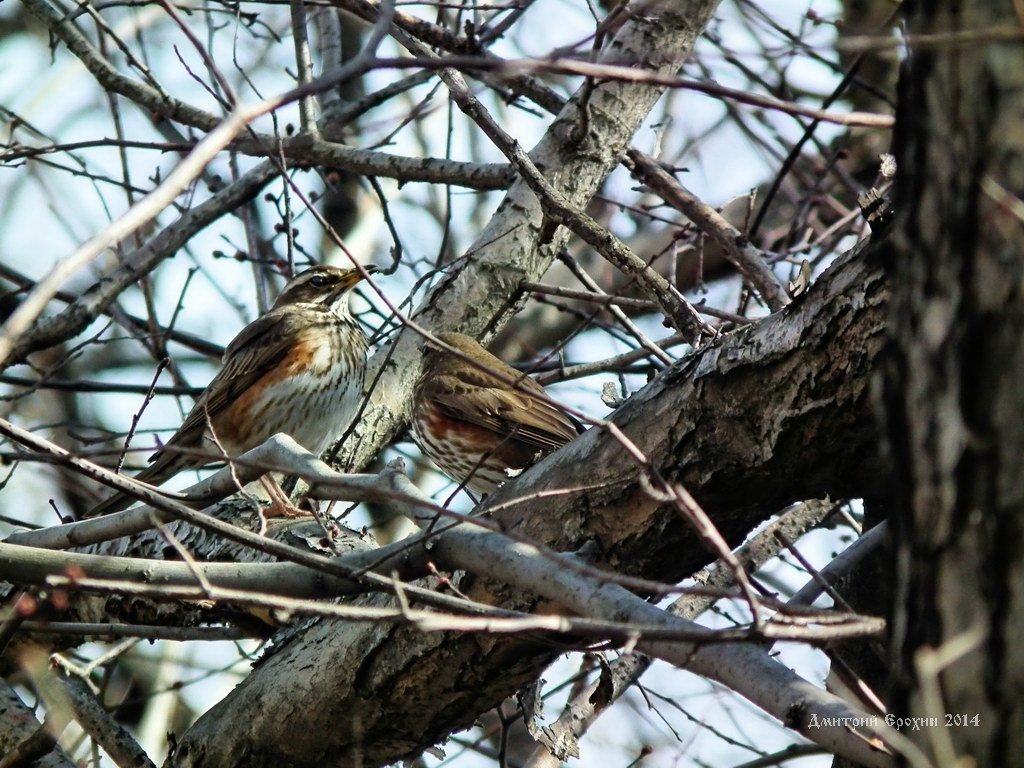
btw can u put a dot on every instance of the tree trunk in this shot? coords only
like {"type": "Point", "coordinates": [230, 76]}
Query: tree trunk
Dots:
{"type": "Point", "coordinates": [954, 401]}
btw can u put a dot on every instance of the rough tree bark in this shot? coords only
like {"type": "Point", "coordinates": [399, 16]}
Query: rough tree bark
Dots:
{"type": "Point", "coordinates": [955, 402]}
{"type": "Point", "coordinates": [22, 730]}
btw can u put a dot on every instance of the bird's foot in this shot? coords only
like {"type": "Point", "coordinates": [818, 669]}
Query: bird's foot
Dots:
{"type": "Point", "coordinates": [280, 504]}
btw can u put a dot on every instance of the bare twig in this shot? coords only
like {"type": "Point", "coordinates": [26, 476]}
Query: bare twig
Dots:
{"type": "Point", "coordinates": [144, 210]}
{"type": "Point", "coordinates": [558, 208]}
{"type": "Point", "coordinates": [584, 708]}
{"type": "Point", "coordinates": [75, 318]}
{"type": "Point", "coordinates": [747, 259]}
{"type": "Point", "coordinates": [142, 631]}
{"type": "Point", "coordinates": [842, 565]}
{"type": "Point", "coordinates": [298, 149]}
{"type": "Point", "coordinates": [734, 666]}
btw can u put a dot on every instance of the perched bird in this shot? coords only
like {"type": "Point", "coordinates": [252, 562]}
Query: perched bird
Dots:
{"type": "Point", "coordinates": [298, 369]}
{"type": "Point", "coordinates": [475, 424]}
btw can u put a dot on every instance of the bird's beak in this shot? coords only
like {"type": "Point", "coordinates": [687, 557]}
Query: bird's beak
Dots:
{"type": "Point", "coordinates": [354, 275]}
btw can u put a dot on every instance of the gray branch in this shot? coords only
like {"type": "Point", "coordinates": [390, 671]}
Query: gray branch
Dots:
{"type": "Point", "coordinates": [75, 318]}
{"type": "Point", "coordinates": [304, 149]}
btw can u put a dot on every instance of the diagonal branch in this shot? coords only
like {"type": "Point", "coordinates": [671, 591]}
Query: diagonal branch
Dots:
{"type": "Point", "coordinates": [74, 319]}
{"type": "Point", "coordinates": [23, 739]}
{"type": "Point", "coordinates": [13, 330]}
{"type": "Point", "coordinates": [71, 693]}
{"type": "Point", "coordinates": [560, 739]}
{"type": "Point", "coordinates": [560, 211]}
{"type": "Point", "coordinates": [747, 259]}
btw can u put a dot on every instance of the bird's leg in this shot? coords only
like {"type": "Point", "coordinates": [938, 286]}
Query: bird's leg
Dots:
{"type": "Point", "coordinates": [280, 504]}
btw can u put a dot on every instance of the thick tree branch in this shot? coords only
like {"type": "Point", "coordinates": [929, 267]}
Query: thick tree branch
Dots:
{"type": "Point", "coordinates": [74, 694]}
{"type": "Point", "coordinates": [747, 259]}
{"type": "Point", "coordinates": [746, 669]}
{"type": "Point", "coordinates": [31, 565]}
{"type": "Point", "coordinates": [558, 208]}
{"type": "Point", "coordinates": [952, 390]}
{"type": "Point", "coordinates": [28, 565]}
{"type": "Point", "coordinates": [559, 741]}
{"type": "Point", "coordinates": [694, 426]}
{"type": "Point", "coordinates": [832, 333]}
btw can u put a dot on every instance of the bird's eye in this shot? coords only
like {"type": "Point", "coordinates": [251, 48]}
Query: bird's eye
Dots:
{"type": "Point", "coordinates": [318, 281]}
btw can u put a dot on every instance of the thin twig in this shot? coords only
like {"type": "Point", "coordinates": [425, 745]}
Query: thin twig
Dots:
{"type": "Point", "coordinates": [747, 259]}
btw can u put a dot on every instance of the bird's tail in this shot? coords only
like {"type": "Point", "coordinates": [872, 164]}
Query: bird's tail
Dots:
{"type": "Point", "coordinates": [165, 465]}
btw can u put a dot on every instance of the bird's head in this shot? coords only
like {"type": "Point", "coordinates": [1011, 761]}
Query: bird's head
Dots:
{"type": "Point", "coordinates": [435, 358]}
{"type": "Point", "coordinates": [322, 284]}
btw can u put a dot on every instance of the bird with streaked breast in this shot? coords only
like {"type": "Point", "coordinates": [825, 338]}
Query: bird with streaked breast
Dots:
{"type": "Point", "coordinates": [478, 421]}
{"type": "Point", "coordinates": [297, 369]}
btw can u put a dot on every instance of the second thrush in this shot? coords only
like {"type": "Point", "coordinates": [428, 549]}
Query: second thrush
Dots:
{"type": "Point", "coordinates": [477, 425]}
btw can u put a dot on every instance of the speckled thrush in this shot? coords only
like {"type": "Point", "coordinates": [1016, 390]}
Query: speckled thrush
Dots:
{"type": "Point", "coordinates": [297, 369]}
{"type": "Point", "coordinates": [478, 422]}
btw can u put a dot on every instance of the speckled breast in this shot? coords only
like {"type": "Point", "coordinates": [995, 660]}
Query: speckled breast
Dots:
{"type": "Point", "coordinates": [312, 396]}
{"type": "Point", "coordinates": [463, 451]}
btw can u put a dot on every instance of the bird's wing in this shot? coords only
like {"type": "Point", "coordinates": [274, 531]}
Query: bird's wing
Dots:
{"type": "Point", "coordinates": [253, 353]}
{"type": "Point", "coordinates": [536, 423]}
